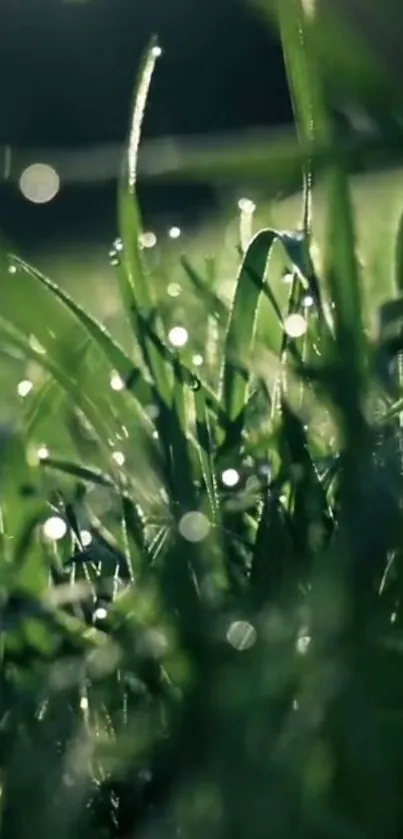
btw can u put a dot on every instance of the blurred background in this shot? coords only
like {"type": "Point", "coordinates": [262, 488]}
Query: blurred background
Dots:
{"type": "Point", "coordinates": [67, 72]}
{"type": "Point", "coordinates": [67, 69]}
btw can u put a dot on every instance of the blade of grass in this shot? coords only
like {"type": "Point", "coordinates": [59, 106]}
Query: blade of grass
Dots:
{"type": "Point", "coordinates": [118, 360]}
{"type": "Point", "coordinates": [133, 282]}
{"type": "Point", "coordinates": [242, 323]}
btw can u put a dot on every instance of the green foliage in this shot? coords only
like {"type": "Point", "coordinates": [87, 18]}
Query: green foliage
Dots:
{"type": "Point", "coordinates": [209, 643]}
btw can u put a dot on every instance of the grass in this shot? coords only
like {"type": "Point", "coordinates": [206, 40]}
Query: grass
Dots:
{"type": "Point", "coordinates": [200, 576]}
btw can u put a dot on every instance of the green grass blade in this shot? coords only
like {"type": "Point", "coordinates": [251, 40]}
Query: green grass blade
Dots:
{"type": "Point", "coordinates": [133, 281]}
{"type": "Point", "coordinates": [10, 336]}
{"type": "Point", "coordinates": [242, 323]}
{"type": "Point", "coordinates": [398, 257]}
{"type": "Point", "coordinates": [116, 357]}
{"type": "Point", "coordinates": [305, 86]}
{"type": "Point", "coordinates": [344, 282]}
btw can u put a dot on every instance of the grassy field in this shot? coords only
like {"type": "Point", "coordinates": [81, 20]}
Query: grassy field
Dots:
{"type": "Point", "coordinates": [201, 520]}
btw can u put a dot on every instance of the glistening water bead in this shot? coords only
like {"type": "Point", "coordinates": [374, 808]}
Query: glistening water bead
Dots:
{"type": "Point", "coordinates": [147, 240]}
{"type": "Point", "coordinates": [230, 478]}
{"type": "Point", "coordinates": [24, 388]}
{"type": "Point", "coordinates": [43, 453]}
{"type": "Point", "coordinates": [86, 538]}
{"type": "Point", "coordinates": [116, 381]}
{"type": "Point", "coordinates": [39, 183]}
{"type": "Point", "coordinates": [173, 290]}
{"type": "Point", "coordinates": [241, 635]}
{"type": "Point", "coordinates": [119, 458]}
{"type": "Point", "coordinates": [295, 326]}
{"type": "Point", "coordinates": [178, 336]}
{"type": "Point", "coordinates": [55, 528]}
{"type": "Point", "coordinates": [194, 526]}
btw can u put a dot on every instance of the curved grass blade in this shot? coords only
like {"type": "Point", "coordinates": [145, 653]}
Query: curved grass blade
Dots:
{"type": "Point", "coordinates": [133, 282]}
{"type": "Point", "coordinates": [242, 323]}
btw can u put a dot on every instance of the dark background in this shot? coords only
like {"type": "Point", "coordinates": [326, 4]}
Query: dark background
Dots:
{"type": "Point", "coordinates": [66, 78]}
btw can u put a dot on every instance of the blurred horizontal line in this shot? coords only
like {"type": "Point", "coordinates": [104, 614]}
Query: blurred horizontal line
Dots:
{"type": "Point", "coordinates": [158, 157]}
{"type": "Point", "coordinates": [252, 153]}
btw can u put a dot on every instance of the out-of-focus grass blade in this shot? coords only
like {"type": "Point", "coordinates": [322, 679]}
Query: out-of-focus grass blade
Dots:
{"type": "Point", "coordinates": [273, 558]}
{"type": "Point", "coordinates": [311, 515]}
{"type": "Point", "coordinates": [62, 339]}
{"type": "Point", "coordinates": [398, 257]}
{"type": "Point", "coordinates": [82, 473]}
{"type": "Point", "coordinates": [280, 160]}
{"type": "Point", "coordinates": [78, 397]}
{"type": "Point", "coordinates": [22, 508]}
{"type": "Point", "coordinates": [118, 360]}
{"type": "Point", "coordinates": [212, 301]}
{"type": "Point", "coordinates": [344, 282]}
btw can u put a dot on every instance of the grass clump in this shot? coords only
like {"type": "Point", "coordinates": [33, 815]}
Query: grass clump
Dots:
{"type": "Point", "coordinates": [201, 584]}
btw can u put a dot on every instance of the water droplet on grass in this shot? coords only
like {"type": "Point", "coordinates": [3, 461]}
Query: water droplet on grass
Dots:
{"type": "Point", "coordinates": [152, 411]}
{"type": "Point", "coordinates": [295, 326]}
{"type": "Point", "coordinates": [43, 453]}
{"type": "Point", "coordinates": [147, 240]}
{"type": "Point", "coordinates": [246, 205]}
{"type": "Point", "coordinates": [174, 232]}
{"type": "Point", "coordinates": [24, 388]}
{"type": "Point", "coordinates": [194, 526]}
{"type": "Point", "coordinates": [36, 345]}
{"type": "Point", "coordinates": [116, 381]}
{"type": "Point", "coordinates": [241, 635]}
{"type": "Point", "coordinates": [174, 290]}
{"type": "Point", "coordinates": [230, 477]}
{"type": "Point", "coordinates": [303, 643]}
{"type": "Point", "coordinates": [178, 336]}
{"type": "Point", "coordinates": [197, 360]}
{"type": "Point", "coordinates": [86, 538]}
{"type": "Point", "coordinates": [119, 458]}
{"type": "Point", "coordinates": [55, 528]}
